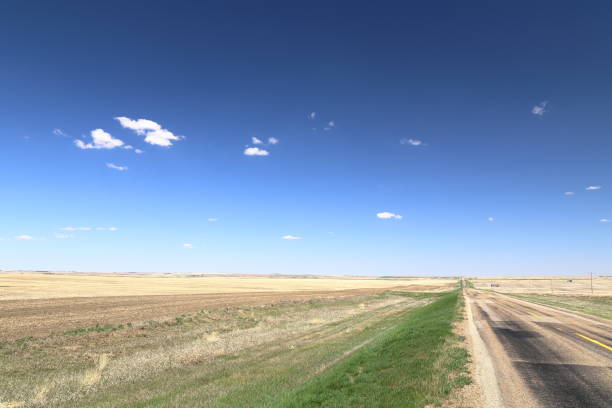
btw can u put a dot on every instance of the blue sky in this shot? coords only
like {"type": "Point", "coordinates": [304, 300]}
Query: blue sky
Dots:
{"type": "Point", "coordinates": [469, 121]}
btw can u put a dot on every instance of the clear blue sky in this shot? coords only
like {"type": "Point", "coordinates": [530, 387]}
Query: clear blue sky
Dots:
{"type": "Point", "coordinates": [470, 120]}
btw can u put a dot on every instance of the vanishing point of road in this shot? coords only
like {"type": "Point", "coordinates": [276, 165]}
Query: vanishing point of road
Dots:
{"type": "Point", "coordinates": [529, 355]}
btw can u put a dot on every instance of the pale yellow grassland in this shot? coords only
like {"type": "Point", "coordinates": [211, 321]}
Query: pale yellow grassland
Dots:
{"type": "Point", "coordinates": [28, 285]}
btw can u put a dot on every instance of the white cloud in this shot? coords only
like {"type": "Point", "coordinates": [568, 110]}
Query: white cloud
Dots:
{"type": "Point", "coordinates": [569, 193]}
{"type": "Point", "coordinates": [272, 140]}
{"type": "Point", "coordinates": [101, 140]}
{"type": "Point", "coordinates": [138, 151]}
{"type": "Point", "coordinates": [412, 142]}
{"type": "Point", "coordinates": [59, 132]}
{"type": "Point", "coordinates": [64, 236]}
{"type": "Point", "coordinates": [604, 220]}
{"type": "Point", "coordinates": [591, 188]}
{"type": "Point", "coordinates": [312, 115]}
{"type": "Point", "coordinates": [76, 229]}
{"type": "Point", "coordinates": [491, 219]}
{"type": "Point", "coordinates": [24, 237]}
{"type": "Point", "coordinates": [188, 246]}
{"type": "Point", "coordinates": [540, 109]}
{"type": "Point", "coordinates": [255, 151]}
{"type": "Point", "coordinates": [385, 215]}
{"type": "Point", "coordinates": [116, 167]}
{"type": "Point", "coordinates": [256, 140]}
{"type": "Point", "coordinates": [330, 125]}
{"type": "Point", "coordinates": [290, 237]}
{"type": "Point", "coordinates": [107, 229]}
{"type": "Point", "coordinates": [153, 131]}
{"type": "Point", "coordinates": [213, 219]}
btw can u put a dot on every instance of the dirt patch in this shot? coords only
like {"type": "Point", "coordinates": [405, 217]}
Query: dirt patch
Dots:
{"type": "Point", "coordinates": [40, 317]}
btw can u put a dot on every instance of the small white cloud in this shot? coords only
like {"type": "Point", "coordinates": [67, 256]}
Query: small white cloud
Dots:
{"type": "Point", "coordinates": [385, 215]}
{"type": "Point", "coordinates": [604, 220]}
{"type": "Point", "coordinates": [256, 140]}
{"type": "Point", "coordinates": [188, 246]}
{"type": "Point", "coordinates": [540, 109]}
{"type": "Point", "coordinates": [272, 140]}
{"type": "Point", "coordinates": [107, 229]}
{"type": "Point", "coordinates": [153, 131]}
{"type": "Point", "coordinates": [59, 132]}
{"type": "Point", "coordinates": [290, 237]}
{"type": "Point", "coordinates": [100, 140]}
{"type": "Point", "coordinates": [213, 219]}
{"type": "Point", "coordinates": [412, 142]}
{"type": "Point", "coordinates": [592, 188]}
{"type": "Point", "coordinates": [128, 147]}
{"type": "Point", "coordinates": [569, 193]}
{"type": "Point", "coordinates": [312, 115]}
{"type": "Point", "coordinates": [116, 167]}
{"type": "Point", "coordinates": [76, 229]}
{"type": "Point", "coordinates": [23, 238]}
{"type": "Point", "coordinates": [64, 236]}
{"type": "Point", "coordinates": [331, 124]}
{"type": "Point", "coordinates": [138, 151]}
{"type": "Point", "coordinates": [491, 219]}
{"type": "Point", "coordinates": [255, 151]}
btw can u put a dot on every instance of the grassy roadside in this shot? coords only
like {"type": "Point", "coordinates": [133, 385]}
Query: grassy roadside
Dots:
{"type": "Point", "coordinates": [256, 357]}
{"type": "Point", "coordinates": [600, 306]}
{"type": "Point", "coordinates": [416, 364]}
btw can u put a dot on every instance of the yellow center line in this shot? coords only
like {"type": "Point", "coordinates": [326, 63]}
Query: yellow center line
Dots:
{"type": "Point", "coordinates": [595, 341]}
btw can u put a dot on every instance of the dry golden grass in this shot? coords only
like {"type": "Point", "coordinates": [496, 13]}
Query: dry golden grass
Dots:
{"type": "Point", "coordinates": [560, 285]}
{"type": "Point", "coordinates": [29, 285]}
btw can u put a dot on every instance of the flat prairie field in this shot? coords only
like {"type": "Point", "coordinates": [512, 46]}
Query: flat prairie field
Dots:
{"type": "Point", "coordinates": [558, 285]}
{"type": "Point", "coordinates": [108, 340]}
{"type": "Point", "coordinates": [38, 304]}
{"type": "Point", "coordinates": [29, 285]}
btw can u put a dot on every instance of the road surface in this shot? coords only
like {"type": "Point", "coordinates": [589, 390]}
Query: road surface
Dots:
{"type": "Point", "coordinates": [530, 355]}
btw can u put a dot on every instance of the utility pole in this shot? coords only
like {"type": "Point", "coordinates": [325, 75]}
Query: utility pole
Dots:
{"type": "Point", "coordinates": [591, 283]}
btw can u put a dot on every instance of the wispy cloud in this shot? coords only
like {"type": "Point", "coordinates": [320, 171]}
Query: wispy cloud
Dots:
{"type": "Point", "coordinates": [153, 131]}
{"type": "Point", "coordinates": [290, 237]}
{"type": "Point", "coordinates": [330, 125]}
{"type": "Point", "coordinates": [188, 246]}
{"type": "Point", "coordinates": [569, 193]}
{"type": "Point", "coordinates": [604, 220]}
{"type": "Point", "coordinates": [491, 219]}
{"type": "Point", "coordinates": [256, 140]}
{"type": "Point", "coordinates": [116, 167]}
{"type": "Point", "coordinates": [592, 188]}
{"type": "Point", "coordinates": [100, 140]}
{"type": "Point", "coordinates": [59, 132]}
{"type": "Point", "coordinates": [213, 219]}
{"type": "Point", "coordinates": [73, 229]}
{"type": "Point", "coordinates": [312, 115]}
{"type": "Point", "coordinates": [255, 151]}
{"type": "Point", "coordinates": [412, 142]}
{"type": "Point", "coordinates": [76, 229]}
{"type": "Point", "coordinates": [24, 237]}
{"type": "Point", "coordinates": [138, 151]}
{"type": "Point", "coordinates": [540, 109]}
{"type": "Point", "coordinates": [385, 215]}
{"type": "Point", "coordinates": [64, 236]}
{"type": "Point", "coordinates": [273, 140]}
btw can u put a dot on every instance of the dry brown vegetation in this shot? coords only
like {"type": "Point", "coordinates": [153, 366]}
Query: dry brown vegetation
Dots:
{"type": "Point", "coordinates": [30, 285]}
{"type": "Point", "coordinates": [559, 285]}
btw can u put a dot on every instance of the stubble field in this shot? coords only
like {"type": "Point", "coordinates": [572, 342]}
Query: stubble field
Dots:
{"type": "Point", "coordinates": [118, 340]}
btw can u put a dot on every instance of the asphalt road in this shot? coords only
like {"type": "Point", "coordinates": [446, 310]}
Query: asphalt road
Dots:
{"type": "Point", "coordinates": [541, 356]}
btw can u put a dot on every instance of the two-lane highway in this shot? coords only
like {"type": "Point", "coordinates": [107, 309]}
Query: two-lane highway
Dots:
{"type": "Point", "coordinates": [540, 356]}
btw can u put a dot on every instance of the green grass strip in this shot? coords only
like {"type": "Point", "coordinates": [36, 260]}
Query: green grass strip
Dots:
{"type": "Point", "coordinates": [416, 364]}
